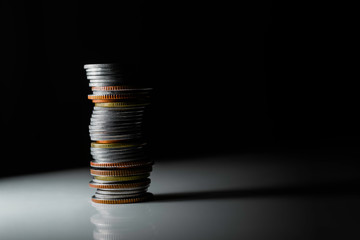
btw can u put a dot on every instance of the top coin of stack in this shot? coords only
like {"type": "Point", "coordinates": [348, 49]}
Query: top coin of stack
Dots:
{"type": "Point", "coordinates": [119, 166]}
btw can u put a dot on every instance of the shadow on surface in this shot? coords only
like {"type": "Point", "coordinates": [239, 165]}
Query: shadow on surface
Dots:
{"type": "Point", "coordinates": [328, 189]}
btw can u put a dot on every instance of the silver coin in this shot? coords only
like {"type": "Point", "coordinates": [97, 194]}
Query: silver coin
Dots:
{"type": "Point", "coordinates": [127, 129]}
{"type": "Point", "coordinates": [125, 110]}
{"type": "Point", "coordinates": [123, 93]}
{"type": "Point", "coordinates": [113, 134]}
{"type": "Point", "coordinates": [128, 154]}
{"type": "Point", "coordinates": [103, 69]}
{"type": "Point", "coordinates": [117, 137]}
{"type": "Point", "coordinates": [121, 158]}
{"type": "Point", "coordinates": [103, 73]}
{"type": "Point", "coordinates": [117, 196]}
{"type": "Point", "coordinates": [114, 159]}
{"type": "Point", "coordinates": [127, 191]}
{"type": "Point", "coordinates": [104, 84]}
{"type": "Point", "coordinates": [127, 90]}
{"type": "Point", "coordinates": [115, 118]}
{"type": "Point", "coordinates": [128, 115]}
{"type": "Point", "coordinates": [113, 156]}
{"type": "Point", "coordinates": [117, 158]}
{"type": "Point", "coordinates": [119, 117]}
{"type": "Point", "coordinates": [103, 113]}
{"type": "Point", "coordinates": [119, 109]}
{"type": "Point", "coordinates": [105, 77]}
{"type": "Point", "coordinates": [113, 81]}
{"type": "Point", "coordinates": [102, 137]}
{"type": "Point", "coordinates": [102, 65]}
{"type": "Point", "coordinates": [114, 127]}
{"type": "Point", "coordinates": [109, 129]}
{"type": "Point", "coordinates": [120, 155]}
{"type": "Point", "coordinates": [132, 117]}
{"type": "Point", "coordinates": [106, 133]}
{"type": "Point", "coordinates": [120, 151]}
{"type": "Point", "coordinates": [117, 113]}
{"type": "Point", "coordinates": [145, 181]}
{"type": "Point", "coordinates": [114, 123]}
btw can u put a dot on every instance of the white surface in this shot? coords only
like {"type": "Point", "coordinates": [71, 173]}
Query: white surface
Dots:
{"type": "Point", "coordinates": [213, 198]}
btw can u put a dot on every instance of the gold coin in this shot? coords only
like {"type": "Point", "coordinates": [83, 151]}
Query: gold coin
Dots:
{"type": "Point", "coordinates": [113, 145]}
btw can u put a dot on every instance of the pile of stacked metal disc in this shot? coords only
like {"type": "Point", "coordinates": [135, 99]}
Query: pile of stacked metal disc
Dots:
{"type": "Point", "coordinates": [119, 166]}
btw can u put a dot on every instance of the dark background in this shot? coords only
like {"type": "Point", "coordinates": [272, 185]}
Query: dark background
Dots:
{"type": "Point", "coordinates": [252, 77]}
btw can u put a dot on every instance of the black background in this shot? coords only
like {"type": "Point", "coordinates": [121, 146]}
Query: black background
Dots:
{"type": "Point", "coordinates": [227, 78]}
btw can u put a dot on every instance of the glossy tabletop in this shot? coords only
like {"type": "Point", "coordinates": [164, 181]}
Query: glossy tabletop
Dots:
{"type": "Point", "coordinates": [222, 197]}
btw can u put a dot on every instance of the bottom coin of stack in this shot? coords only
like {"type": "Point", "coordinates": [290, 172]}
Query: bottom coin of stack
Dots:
{"type": "Point", "coordinates": [120, 181]}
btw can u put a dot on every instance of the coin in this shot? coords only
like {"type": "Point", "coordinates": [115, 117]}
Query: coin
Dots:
{"type": "Point", "coordinates": [120, 104]}
{"type": "Point", "coordinates": [142, 198]}
{"type": "Point", "coordinates": [114, 145]}
{"type": "Point", "coordinates": [120, 164]}
{"type": "Point", "coordinates": [117, 196]}
{"type": "Point", "coordinates": [115, 160]}
{"type": "Point", "coordinates": [120, 88]}
{"type": "Point", "coordinates": [102, 65]}
{"type": "Point", "coordinates": [121, 192]}
{"type": "Point", "coordinates": [121, 178]}
{"type": "Point", "coordinates": [121, 172]}
{"type": "Point", "coordinates": [130, 185]}
{"type": "Point", "coordinates": [103, 72]}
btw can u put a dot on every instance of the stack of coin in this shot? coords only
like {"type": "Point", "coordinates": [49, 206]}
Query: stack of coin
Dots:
{"type": "Point", "coordinates": [119, 166]}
